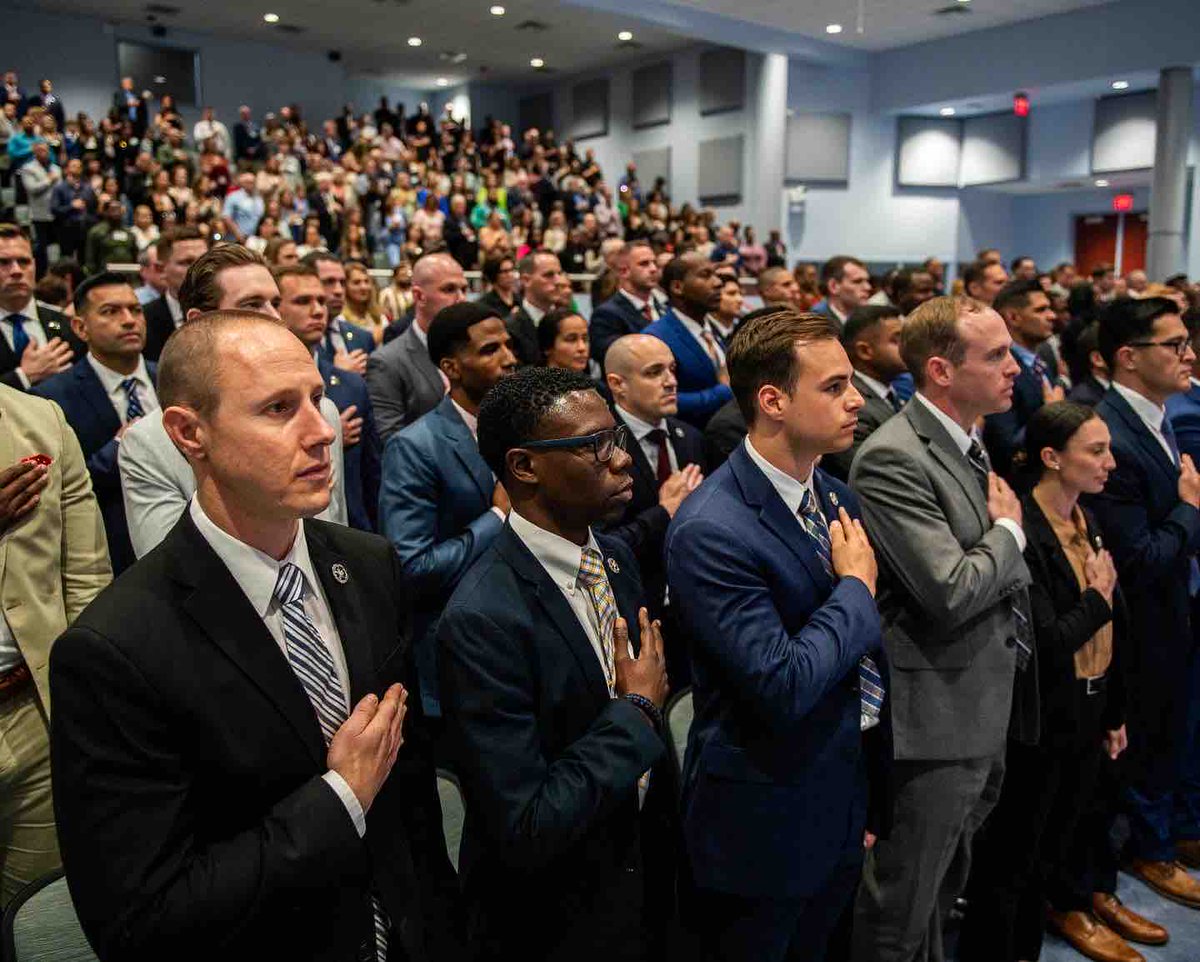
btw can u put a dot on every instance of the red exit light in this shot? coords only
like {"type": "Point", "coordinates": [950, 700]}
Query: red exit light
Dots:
{"type": "Point", "coordinates": [1122, 202]}
{"type": "Point", "coordinates": [1021, 105]}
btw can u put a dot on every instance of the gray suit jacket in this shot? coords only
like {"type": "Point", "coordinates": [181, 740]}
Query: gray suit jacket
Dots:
{"type": "Point", "coordinates": [403, 383]}
{"type": "Point", "coordinates": [871, 415]}
{"type": "Point", "coordinates": [947, 580]}
{"type": "Point", "coordinates": [157, 482]}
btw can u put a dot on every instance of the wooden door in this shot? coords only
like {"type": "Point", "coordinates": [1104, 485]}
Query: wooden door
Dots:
{"type": "Point", "coordinates": [1095, 241]}
{"type": "Point", "coordinates": [1133, 245]}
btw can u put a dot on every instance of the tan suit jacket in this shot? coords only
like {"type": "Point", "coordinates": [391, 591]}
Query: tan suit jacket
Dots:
{"type": "Point", "coordinates": [55, 560]}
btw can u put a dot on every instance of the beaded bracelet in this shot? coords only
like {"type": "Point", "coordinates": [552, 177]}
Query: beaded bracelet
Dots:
{"type": "Point", "coordinates": [647, 706]}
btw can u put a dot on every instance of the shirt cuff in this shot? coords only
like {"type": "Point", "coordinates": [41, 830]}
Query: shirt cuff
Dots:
{"type": "Point", "coordinates": [499, 514]}
{"type": "Point", "coordinates": [1009, 525]}
{"type": "Point", "coordinates": [349, 799]}
{"type": "Point", "coordinates": [24, 379]}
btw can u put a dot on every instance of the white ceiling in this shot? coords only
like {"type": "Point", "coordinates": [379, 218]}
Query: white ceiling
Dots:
{"type": "Point", "coordinates": [886, 23]}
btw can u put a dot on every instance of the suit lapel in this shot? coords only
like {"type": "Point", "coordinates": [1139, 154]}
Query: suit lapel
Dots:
{"type": "Point", "coordinates": [645, 476]}
{"type": "Point", "coordinates": [466, 449]}
{"type": "Point", "coordinates": [684, 339]}
{"type": "Point", "coordinates": [354, 628]}
{"type": "Point", "coordinates": [421, 362]}
{"type": "Point", "coordinates": [92, 391]}
{"type": "Point", "coordinates": [684, 454]}
{"type": "Point", "coordinates": [944, 450]}
{"type": "Point", "coordinates": [1147, 440]}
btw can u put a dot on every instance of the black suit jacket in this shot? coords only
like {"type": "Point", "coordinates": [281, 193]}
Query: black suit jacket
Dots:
{"type": "Point", "coordinates": [55, 325]}
{"type": "Point", "coordinates": [523, 332]}
{"type": "Point", "coordinates": [613, 319]}
{"type": "Point", "coordinates": [874, 412]}
{"type": "Point", "coordinates": [1004, 433]}
{"type": "Point", "coordinates": [724, 432]}
{"type": "Point", "coordinates": [192, 816]}
{"type": "Point", "coordinates": [94, 420]}
{"type": "Point", "coordinates": [1089, 391]}
{"type": "Point", "coordinates": [552, 855]}
{"type": "Point", "coordinates": [159, 326]}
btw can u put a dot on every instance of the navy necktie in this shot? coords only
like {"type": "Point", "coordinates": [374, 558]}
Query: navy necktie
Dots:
{"type": "Point", "coordinates": [1168, 434]}
{"type": "Point", "coordinates": [20, 337]}
{"type": "Point", "coordinates": [133, 406]}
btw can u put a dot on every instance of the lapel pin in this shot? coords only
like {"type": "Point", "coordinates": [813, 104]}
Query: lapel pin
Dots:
{"type": "Point", "coordinates": [334, 380]}
{"type": "Point", "coordinates": [613, 566]}
{"type": "Point", "coordinates": [340, 574]}
{"type": "Point", "coordinates": [833, 498]}
{"type": "Point", "coordinates": [679, 432]}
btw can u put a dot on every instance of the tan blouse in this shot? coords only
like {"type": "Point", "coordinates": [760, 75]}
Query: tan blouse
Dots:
{"type": "Point", "coordinates": [1095, 656]}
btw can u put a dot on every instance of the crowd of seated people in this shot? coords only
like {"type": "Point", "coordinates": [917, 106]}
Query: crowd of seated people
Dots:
{"type": "Point", "coordinates": [279, 538]}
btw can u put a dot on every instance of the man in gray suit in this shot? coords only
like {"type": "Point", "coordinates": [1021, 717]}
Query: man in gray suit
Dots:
{"type": "Point", "coordinates": [403, 382]}
{"type": "Point", "coordinates": [953, 595]}
{"type": "Point", "coordinates": [871, 337]}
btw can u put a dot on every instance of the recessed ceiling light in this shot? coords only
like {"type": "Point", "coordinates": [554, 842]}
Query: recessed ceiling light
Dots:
{"type": "Point", "coordinates": [160, 79]}
{"type": "Point", "coordinates": [271, 17]}
{"type": "Point", "coordinates": [947, 111]}
{"type": "Point", "coordinates": [1120, 85]}
{"type": "Point", "coordinates": [497, 11]}
{"type": "Point", "coordinates": [414, 41]}
{"type": "Point", "coordinates": [833, 28]}
{"type": "Point", "coordinates": [1101, 182]}
{"type": "Point", "coordinates": [625, 35]}
{"type": "Point", "coordinates": [442, 82]}
{"type": "Point", "coordinates": [964, 1]}
{"type": "Point", "coordinates": [537, 62]}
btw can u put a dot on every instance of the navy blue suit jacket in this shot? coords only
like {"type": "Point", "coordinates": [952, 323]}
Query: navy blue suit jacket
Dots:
{"type": "Point", "coordinates": [435, 502]}
{"type": "Point", "coordinates": [613, 319]}
{"type": "Point", "coordinates": [361, 462]}
{"type": "Point", "coordinates": [1152, 536]}
{"type": "Point", "coordinates": [774, 781]}
{"type": "Point", "coordinates": [700, 393]}
{"type": "Point", "coordinates": [356, 338]}
{"type": "Point", "coordinates": [1004, 433]}
{"type": "Point", "coordinates": [94, 420]}
{"type": "Point", "coordinates": [1184, 411]}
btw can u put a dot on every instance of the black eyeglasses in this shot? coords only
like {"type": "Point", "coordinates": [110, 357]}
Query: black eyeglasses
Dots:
{"type": "Point", "coordinates": [1179, 345]}
{"type": "Point", "coordinates": [603, 443]}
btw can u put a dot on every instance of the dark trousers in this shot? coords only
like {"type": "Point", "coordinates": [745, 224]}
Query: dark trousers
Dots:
{"type": "Point", "coordinates": [1041, 844]}
{"type": "Point", "coordinates": [730, 928]}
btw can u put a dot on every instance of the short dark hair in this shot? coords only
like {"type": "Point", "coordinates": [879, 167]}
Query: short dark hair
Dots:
{"type": "Point", "coordinates": [834, 269]}
{"type": "Point", "coordinates": [313, 258]}
{"type": "Point", "coordinates": [103, 279]}
{"type": "Point", "coordinates": [1129, 319]}
{"type": "Point", "coordinates": [1099, 270]}
{"type": "Point", "coordinates": [13, 232]}
{"type": "Point", "coordinates": [1016, 262]}
{"type": "Point", "coordinates": [1053, 426]}
{"type": "Point", "coordinates": [199, 289]}
{"type": "Point", "coordinates": [973, 272]}
{"type": "Point", "coordinates": [863, 319]}
{"type": "Point", "coordinates": [763, 351]}
{"type": "Point", "coordinates": [547, 328]}
{"type": "Point", "coordinates": [676, 269]}
{"type": "Point", "coordinates": [513, 410]}
{"type": "Point", "coordinates": [491, 267]}
{"type": "Point", "coordinates": [172, 236]}
{"type": "Point", "coordinates": [282, 271]}
{"type": "Point", "coordinates": [1016, 294]}
{"type": "Point", "coordinates": [450, 328]}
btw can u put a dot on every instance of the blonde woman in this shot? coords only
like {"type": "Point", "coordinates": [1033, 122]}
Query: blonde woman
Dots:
{"type": "Point", "coordinates": [362, 300]}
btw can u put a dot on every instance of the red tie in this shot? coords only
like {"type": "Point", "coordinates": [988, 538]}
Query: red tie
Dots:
{"type": "Point", "coordinates": [647, 313]}
{"type": "Point", "coordinates": [659, 437]}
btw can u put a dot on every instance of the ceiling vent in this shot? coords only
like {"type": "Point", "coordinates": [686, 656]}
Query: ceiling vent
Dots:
{"type": "Point", "coordinates": [533, 26]}
{"type": "Point", "coordinates": [289, 28]}
{"type": "Point", "coordinates": [952, 10]}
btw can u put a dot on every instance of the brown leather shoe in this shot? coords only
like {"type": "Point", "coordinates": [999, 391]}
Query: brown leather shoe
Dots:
{"type": "Point", "coordinates": [1091, 938]}
{"type": "Point", "coordinates": [1188, 853]}
{"type": "Point", "coordinates": [1125, 922]}
{"type": "Point", "coordinates": [1168, 879]}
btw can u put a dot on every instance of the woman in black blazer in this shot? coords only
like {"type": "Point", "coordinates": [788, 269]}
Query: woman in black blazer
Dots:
{"type": "Point", "coordinates": [1045, 843]}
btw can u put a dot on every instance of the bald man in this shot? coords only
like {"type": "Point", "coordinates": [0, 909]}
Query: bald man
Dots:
{"type": "Point", "coordinates": [668, 465]}
{"type": "Point", "coordinates": [404, 383]}
{"type": "Point", "coordinates": [778, 288]}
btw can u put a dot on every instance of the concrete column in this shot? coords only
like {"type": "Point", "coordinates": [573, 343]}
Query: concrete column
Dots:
{"type": "Point", "coordinates": [764, 179]}
{"type": "Point", "coordinates": [1165, 253]}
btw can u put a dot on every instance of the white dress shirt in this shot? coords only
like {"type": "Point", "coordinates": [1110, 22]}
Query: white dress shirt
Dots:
{"type": "Point", "coordinates": [176, 310]}
{"type": "Point", "coordinates": [962, 441]}
{"type": "Point", "coordinates": [696, 329]}
{"type": "Point", "coordinates": [1149, 413]}
{"type": "Point", "coordinates": [790, 491]}
{"type": "Point", "coordinates": [112, 383]}
{"type": "Point", "coordinates": [641, 433]}
{"type": "Point", "coordinates": [32, 327]}
{"type": "Point", "coordinates": [638, 303]}
{"type": "Point", "coordinates": [257, 574]}
{"type": "Point", "coordinates": [535, 313]}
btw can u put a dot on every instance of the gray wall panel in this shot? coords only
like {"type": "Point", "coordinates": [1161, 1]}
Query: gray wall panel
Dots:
{"type": "Point", "coordinates": [818, 148]}
{"type": "Point", "coordinates": [722, 80]}
{"type": "Point", "coordinates": [927, 151]}
{"type": "Point", "coordinates": [719, 175]}
{"type": "Point", "coordinates": [536, 110]}
{"type": "Point", "coordinates": [651, 95]}
{"type": "Point", "coordinates": [589, 109]}
{"type": "Point", "coordinates": [652, 164]}
{"type": "Point", "coordinates": [1123, 133]}
{"type": "Point", "coordinates": [993, 149]}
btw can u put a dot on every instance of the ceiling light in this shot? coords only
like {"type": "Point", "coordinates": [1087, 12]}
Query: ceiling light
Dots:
{"type": "Point", "coordinates": [442, 82]}
{"type": "Point", "coordinates": [1120, 85]}
{"type": "Point", "coordinates": [497, 11]}
{"type": "Point", "coordinates": [625, 35]}
{"type": "Point", "coordinates": [414, 41]}
{"type": "Point", "coordinates": [833, 28]}
{"type": "Point", "coordinates": [537, 62]}
{"type": "Point", "coordinates": [1101, 182]}
{"type": "Point", "coordinates": [947, 111]}
{"type": "Point", "coordinates": [271, 17]}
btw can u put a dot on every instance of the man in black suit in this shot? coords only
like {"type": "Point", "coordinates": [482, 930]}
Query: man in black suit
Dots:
{"type": "Point", "coordinates": [105, 392]}
{"type": "Point", "coordinates": [131, 106]}
{"type": "Point", "coordinates": [539, 272]}
{"type": "Point", "coordinates": [1090, 391]}
{"type": "Point", "coordinates": [460, 236]}
{"type": "Point", "coordinates": [633, 306]}
{"type": "Point", "coordinates": [554, 719]}
{"type": "Point", "coordinates": [216, 795]}
{"type": "Point", "coordinates": [37, 341]}
{"type": "Point", "coordinates": [247, 137]}
{"type": "Point", "coordinates": [178, 249]}
{"type": "Point", "coordinates": [871, 337]}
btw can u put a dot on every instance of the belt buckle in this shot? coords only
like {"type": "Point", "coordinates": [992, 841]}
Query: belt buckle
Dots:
{"type": "Point", "coordinates": [1094, 685]}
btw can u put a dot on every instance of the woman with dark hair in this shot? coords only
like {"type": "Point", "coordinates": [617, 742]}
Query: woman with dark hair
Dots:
{"type": "Point", "coordinates": [563, 339]}
{"type": "Point", "coordinates": [1046, 842]}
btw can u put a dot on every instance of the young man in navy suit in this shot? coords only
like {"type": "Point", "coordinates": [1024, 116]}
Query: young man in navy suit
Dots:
{"type": "Point", "coordinates": [440, 505]}
{"type": "Point", "coordinates": [302, 307]}
{"type": "Point", "coordinates": [633, 306]}
{"type": "Point", "coordinates": [774, 580]}
{"type": "Point", "coordinates": [1149, 513]}
{"type": "Point", "coordinates": [345, 345]}
{"type": "Point", "coordinates": [105, 392]}
{"type": "Point", "coordinates": [553, 683]}
{"type": "Point", "coordinates": [694, 288]}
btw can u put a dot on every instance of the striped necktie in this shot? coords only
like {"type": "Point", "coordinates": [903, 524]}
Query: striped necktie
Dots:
{"type": "Point", "coordinates": [133, 406]}
{"type": "Point", "coordinates": [591, 577]}
{"type": "Point", "coordinates": [312, 662]}
{"type": "Point", "coordinates": [870, 682]}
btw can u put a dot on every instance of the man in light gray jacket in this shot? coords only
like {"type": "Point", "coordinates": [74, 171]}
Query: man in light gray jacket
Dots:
{"type": "Point", "coordinates": [953, 595]}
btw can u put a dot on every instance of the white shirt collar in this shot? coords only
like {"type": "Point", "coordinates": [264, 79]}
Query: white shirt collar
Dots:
{"type": "Point", "coordinates": [639, 427]}
{"type": "Point", "coordinates": [535, 313]}
{"type": "Point", "coordinates": [633, 299]}
{"type": "Point", "coordinates": [877, 386]}
{"type": "Point", "coordinates": [694, 326]}
{"type": "Point", "coordinates": [558, 556]}
{"type": "Point", "coordinates": [961, 438]}
{"type": "Point", "coordinates": [175, 308]}
{"type": "Point", "coordinates": [112, 380]}
{"type": "Point", "coordinates": [1195, 381]}
{"type": "Point", "coordinates": [28, 311]}
{"type": "Point", "coordinates": [790, 491]}
{"type": "Point", "coordinates": [1143, 407]}
{"type": "Point", "coordinates": [420, 333]}
{"type": "Point", "coordinates": [255, 572]}
{"type": "Point", "coordinates": [1102, 381]}
{"type": "Point", "coordinates": [836, 313]}
{"type": "Point", "coordinates": [469, 419]}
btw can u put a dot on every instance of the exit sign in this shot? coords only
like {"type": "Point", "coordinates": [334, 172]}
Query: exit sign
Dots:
{"type": "Point", "coordinates": [1122, 202]}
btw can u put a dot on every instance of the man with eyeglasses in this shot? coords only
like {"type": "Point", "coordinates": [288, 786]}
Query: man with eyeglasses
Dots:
{"type": "Point", "coordinates": [1149, 513]}
{"type": "Point", "coordinates": [440, 505]}
{"type": "Point", "coordinates": [553, 684]}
